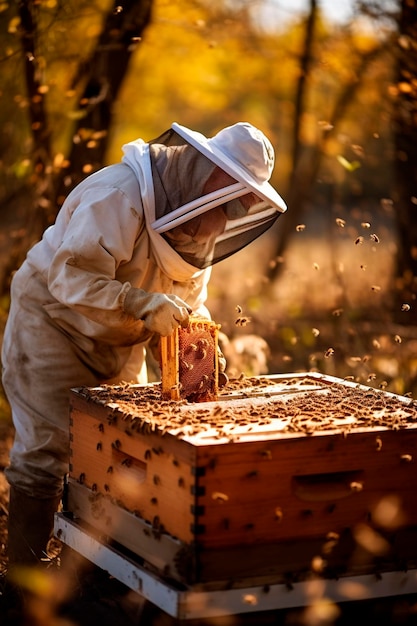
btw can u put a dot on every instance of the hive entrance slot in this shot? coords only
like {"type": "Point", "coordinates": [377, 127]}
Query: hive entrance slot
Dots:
{"type": "Point", "coordinates": [128, 468]}
{"type": "Point", "coordinates": [331, 486]}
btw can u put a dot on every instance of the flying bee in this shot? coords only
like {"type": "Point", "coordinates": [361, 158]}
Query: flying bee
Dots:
{"type": "Point", "coordinates": [300, 227]}
{"type": "Point", "coordinates": [239, 309]}
{"type": "Point", "coordinates": [340, 222]}
{"type": "Point", "coordinates": [405, 307]}
{"type": "Point", "coordinates": [358, 240]}
{"type": "Point", "coordinates": [374, 238]}
{"type": "Point", "coordinates": [329, 352]}
{"type": "Point", "coordinates": [242, 321]}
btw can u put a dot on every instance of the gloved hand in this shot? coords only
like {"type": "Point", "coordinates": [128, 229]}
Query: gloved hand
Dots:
{"type": "Point", "coordinates": [162, 313]}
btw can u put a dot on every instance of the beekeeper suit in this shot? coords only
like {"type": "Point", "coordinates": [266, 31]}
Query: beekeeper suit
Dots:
{"type": "Point", "coordinates": [127, 260]}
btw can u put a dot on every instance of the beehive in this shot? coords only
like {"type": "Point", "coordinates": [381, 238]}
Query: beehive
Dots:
{"type": "Point", "coordinates": [278, 472]}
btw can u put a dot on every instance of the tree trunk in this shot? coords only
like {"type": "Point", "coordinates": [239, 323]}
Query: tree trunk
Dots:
{"type": "Point", "coordinates": [103, 75]}
{"type": "Point", "coordinates": [405, 192]}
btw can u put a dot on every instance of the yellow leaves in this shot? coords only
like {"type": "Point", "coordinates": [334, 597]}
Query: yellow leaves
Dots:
{"type": "Point", "coordinates": [350, 166]}
{"type": "Point", "coordinates": [13, 25]}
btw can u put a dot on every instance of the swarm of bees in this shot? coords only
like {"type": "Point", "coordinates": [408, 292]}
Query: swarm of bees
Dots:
{"type": "Point", "coordinates": [338, 407]}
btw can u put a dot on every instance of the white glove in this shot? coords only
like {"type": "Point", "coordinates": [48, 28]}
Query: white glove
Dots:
{"type": "Point", "coordinates": [162, 313]}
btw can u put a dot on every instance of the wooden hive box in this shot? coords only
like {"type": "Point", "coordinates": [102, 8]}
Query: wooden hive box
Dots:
{"type": "Point", "coordinates": [278, 473]}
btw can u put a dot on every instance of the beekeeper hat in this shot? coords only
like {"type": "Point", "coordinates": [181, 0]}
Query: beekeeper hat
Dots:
{"type": "Point", "coordinates": [243, 152]}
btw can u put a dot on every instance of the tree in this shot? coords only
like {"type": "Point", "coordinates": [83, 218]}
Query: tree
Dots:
{"type": "Point", "coordinates": [97, 79]}
{"type": "Point", "coordinates": [405, 191]}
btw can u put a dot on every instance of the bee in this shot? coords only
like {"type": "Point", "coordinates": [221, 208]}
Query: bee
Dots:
{"type": "Point", "coordinates": [110, 469]}
{"type": "Point", "coordinates": [99, 446]}
{"type": "Point", "coordinates": [300, 227]}
{"type": "Point", "coordinates": [407, 458]}
{"type": "Point", "coordinates": [278, 514]}
{"type": "Point", "coordinates": [127, 462]}
{"type": "Point", "coordinates": [148, 455]}
{"type": "Point", "coordinates": [365, 225]}
{"type": "Point", "coordinates": [315, 332]}
{"type": "Point", "coordinates": [329, 352]}
{"type": "Point", "coordinates": [81, 478]}
{"type": "Point", "coordinates": [337, 312]}
{"type": "Point", "coordinates": [154, 501]}
{"type": "Point", "coordinates": [316, 266]}
{"type": "Point", "coordinates": [156, 480]}
{"type": "Point", "coordinates": [116, 444]}
{"type": "Point", "coordinates": [397, 339]}
{"type": "Point", "coordinates": [376, 288]}
{"type": "Point", "coordinates": [340, 222]}
{"type": "Point", "coordinates": [356, 486]}
{"type": "Point", "coordinates": [239, 309]}
{"type": "Point", "coordinates": [250, 598]}
{"type": "Point", "coordinates": [358, 240]}
{"type": "Point", "coordinates": [332, 536]}
{"type": "Point", "coordinates": [267, 454]}
{"type": "Point", "coordinates": [242, 321]}
{"type": "Point", "coordinates": [378, 442]}
{"type": "Point", "coordinates": [220, 497]}
{"type": "Point", "coordinates": [405, 307]}
{"type": "Point", "coordinates": [374, 238]}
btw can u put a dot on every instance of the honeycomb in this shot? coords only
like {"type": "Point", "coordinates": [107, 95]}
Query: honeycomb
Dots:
{"type": "Point", "coordinates": [189, 362]}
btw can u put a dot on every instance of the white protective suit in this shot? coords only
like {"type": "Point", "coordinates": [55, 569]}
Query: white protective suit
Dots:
{"type": "Point", "coordinates": [67, 326]}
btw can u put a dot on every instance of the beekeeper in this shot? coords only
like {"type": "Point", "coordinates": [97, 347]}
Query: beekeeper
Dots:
{"type": "Point", "coordinates": [127, 260]}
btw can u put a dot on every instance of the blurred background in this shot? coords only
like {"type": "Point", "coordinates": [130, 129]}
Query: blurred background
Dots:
{"type": "Point", "coordinates": [333, 83]}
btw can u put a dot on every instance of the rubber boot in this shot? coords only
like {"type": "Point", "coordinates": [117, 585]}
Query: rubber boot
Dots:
{"type": "Point", "coordinates": [30, 527]}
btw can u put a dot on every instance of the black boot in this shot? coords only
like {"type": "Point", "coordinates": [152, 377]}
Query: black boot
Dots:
{"type": "Point", "coordinates": [30, 527]}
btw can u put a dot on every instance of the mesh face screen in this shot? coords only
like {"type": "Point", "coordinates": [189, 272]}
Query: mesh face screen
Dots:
{"type": "Point", "coordinates": [197, 364]}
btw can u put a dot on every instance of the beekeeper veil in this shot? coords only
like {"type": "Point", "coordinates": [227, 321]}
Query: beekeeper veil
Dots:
{"type": "Point", "coordinates": [203, 226]}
